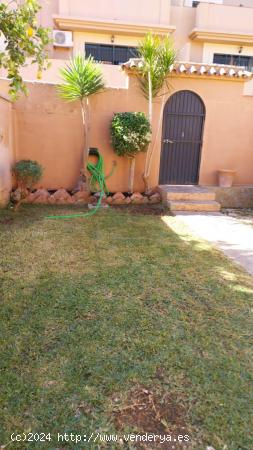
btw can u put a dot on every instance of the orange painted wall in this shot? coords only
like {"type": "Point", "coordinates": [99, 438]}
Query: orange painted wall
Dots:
{"type": "Point", "coordinates": [50, 131]}
{"type": "Point", "coordinates": [228, 134]}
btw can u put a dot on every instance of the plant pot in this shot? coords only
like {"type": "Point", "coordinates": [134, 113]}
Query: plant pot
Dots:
{"type": "Point", "coordinates": [226, 177]}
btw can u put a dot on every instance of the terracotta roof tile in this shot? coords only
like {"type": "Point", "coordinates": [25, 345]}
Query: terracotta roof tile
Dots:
{"type": "Point", "coordinates": [194, 69]}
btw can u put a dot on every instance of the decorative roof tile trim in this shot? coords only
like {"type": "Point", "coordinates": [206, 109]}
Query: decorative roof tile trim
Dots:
{"type": "Point", "coordinates": [193, 69]}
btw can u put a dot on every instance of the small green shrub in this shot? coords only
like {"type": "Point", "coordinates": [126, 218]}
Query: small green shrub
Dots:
{"type": "Point", "coordinates": [131, 133]}
{"type": "Point", "coordinates": [27, 173]}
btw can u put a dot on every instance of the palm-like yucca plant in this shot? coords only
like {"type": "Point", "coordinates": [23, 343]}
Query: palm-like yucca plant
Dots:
{"type": "Point", "coordinates": [82, 77]}
{"type": "Point", "coordinates": [158, 55]}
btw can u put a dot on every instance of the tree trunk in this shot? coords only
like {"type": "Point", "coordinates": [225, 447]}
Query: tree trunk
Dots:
{"type": "Point", "coordinates": [150, 116]}
{"type": "Point", "coordinates": [86, 142]}
{"type": "Point", "coordinates": [131, 175]}
{"type": "Point", "coordinates": [157, 133]}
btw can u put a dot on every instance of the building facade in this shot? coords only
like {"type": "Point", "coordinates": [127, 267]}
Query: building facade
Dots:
{"type": "Point", "coordinates": [206, 118]}
{"type": "Point", "coordinates": [217, 31]}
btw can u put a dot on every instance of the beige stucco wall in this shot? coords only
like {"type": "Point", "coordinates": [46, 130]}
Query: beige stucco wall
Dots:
{"type": "Point", "coordinates": [80, 38]}
{"type": "Point", "coordinates": [207, 16]}
{"type": "Point", "coordinates": [224, 18]}
{"type": "Point", "coordinates": [113, 75]}
{"type": "Point", "coordinates": [142, 11]}
{"type": "Point", "coordinates": [184, 19]}
{"type": "Point", "coordinates": [50, 131]}
{"type": "Point", "coordinates": [49, 8]}
{"type": "Point", "coordinates": [247, 3]}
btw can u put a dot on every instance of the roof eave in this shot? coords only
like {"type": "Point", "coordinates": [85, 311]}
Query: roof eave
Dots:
{"type": "Point", "coordinates": [104, 26]}
{"type": "Point", "coordinates": [216, 36]}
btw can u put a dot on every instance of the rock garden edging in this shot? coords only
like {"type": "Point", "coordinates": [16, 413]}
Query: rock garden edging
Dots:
{"type": "Point", "coordinates": [63, 197]}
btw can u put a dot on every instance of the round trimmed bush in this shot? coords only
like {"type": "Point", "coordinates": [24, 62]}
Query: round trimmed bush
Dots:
{"type": "Point", "coordinates": [131, 133]}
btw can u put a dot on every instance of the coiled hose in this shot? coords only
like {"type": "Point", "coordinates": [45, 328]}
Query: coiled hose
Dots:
{"type": "Point", "coordinates": [97, 184]}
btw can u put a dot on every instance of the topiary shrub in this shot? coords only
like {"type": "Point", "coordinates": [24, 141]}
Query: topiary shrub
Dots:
{"type": "Point", "coordinates": [131, 134]}
{"type": "Point", "coordinates": [27, 173]}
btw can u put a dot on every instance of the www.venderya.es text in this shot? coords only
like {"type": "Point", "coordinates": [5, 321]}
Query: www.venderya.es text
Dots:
{"type": "Point", "coordinates": [99, 437]}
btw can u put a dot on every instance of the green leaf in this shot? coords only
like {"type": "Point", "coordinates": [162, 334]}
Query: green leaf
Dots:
{"type": "Point", "coordinates": [23, 39]}
{"type": "Point", "coordinates": [158, 55]}
{"type": "Point", "coordinates": [81, 77]}
{"type": "Point", "coordinates": [131, 133]}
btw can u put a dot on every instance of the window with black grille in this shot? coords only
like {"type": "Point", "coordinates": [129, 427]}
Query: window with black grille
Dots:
{"type": "Point", "coordinates": [234, 60]}
{"type": "Point", "coordinates": [110, 54]}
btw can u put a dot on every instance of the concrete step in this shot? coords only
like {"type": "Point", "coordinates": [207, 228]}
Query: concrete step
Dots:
{"type": "Point", "coordinates": [177, 193]}
{"type": "Point", "coordinates": [193, 205]}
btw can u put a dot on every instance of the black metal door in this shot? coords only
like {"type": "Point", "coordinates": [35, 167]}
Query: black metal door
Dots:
{"type": "Point", "coordinates": [183, 121]}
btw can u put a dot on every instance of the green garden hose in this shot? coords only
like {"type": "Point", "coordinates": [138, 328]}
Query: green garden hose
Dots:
{"type": "Point", "coordinates": [97, 184]}
{"type": "Point", "coordinates": [97, 181]}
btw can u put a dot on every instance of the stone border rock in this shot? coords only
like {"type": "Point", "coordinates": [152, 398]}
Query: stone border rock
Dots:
{"type": "Point", "coordinates": [63, 197]}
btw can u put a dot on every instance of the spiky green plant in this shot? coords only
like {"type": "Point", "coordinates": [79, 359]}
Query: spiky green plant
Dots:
{"type": "Point", "coordinates": [82, 77]}
{"type": "Point", "coordinates": [158, 55]}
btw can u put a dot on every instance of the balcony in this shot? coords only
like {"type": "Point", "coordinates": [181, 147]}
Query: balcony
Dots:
{"type": "Point", "coordinates": [115, 16]}
{"type": "Point", "coordinates": [223, 24]}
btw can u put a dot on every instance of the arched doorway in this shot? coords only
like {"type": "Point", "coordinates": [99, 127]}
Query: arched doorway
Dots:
{"type": "Point", "coordinates": [183, 121]}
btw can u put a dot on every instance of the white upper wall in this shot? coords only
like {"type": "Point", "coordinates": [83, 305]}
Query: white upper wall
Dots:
{"type": "Point", "coordinates": [136, 11]}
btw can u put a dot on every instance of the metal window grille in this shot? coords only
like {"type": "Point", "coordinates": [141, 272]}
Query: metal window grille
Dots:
{"type": "Point", "coordinates": [234, 60]}
{"type": "Point", "coordinates": [110, 54]}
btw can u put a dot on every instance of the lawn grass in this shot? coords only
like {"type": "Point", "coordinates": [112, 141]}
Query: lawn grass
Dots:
{"type": "Point", "coordinates": [95, 310]}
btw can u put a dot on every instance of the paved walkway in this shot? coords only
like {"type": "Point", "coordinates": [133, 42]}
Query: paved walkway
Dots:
{"type": "Point", "coordinates": [234, 238]}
